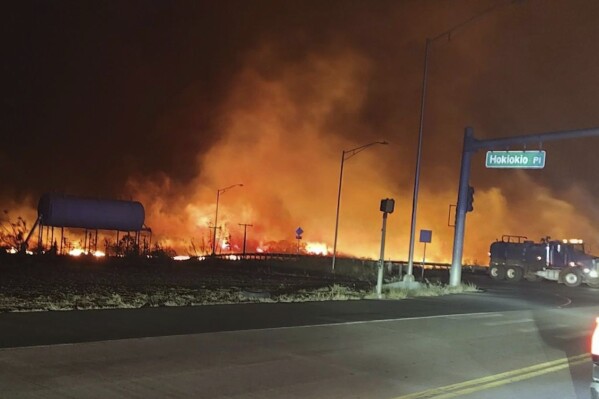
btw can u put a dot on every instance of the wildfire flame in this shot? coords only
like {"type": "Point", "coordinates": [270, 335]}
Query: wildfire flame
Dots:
{"type": "Point", "coordinates": [79, 251]}
{"type": "Point", "coordinates": [317, 248]}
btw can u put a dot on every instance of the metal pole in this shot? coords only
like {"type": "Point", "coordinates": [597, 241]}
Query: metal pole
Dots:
{"type": "Point", "coordinates": [455, 273]}
{"type": "Point", "coordinates": [47, 235]}
{"type": "Point", "coordinates": [337, 214]}
{"type": "Point", "coordinates": [215, 223]}
{"type": "Point", "coordinates": [379, 279]}
{"type": "Point", "coordinates": [245, 226]}
{"type": "Point", "coordinates": [40, 238]}
{"type": "Point", "coordinates": [409, 276]}
{"type": "Point", "coordinates": [423, 262]}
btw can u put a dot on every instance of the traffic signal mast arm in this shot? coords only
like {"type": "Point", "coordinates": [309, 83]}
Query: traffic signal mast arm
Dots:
{"type": "Point", "coordinates": [471, 145]}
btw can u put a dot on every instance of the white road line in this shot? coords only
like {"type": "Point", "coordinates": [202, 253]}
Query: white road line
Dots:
{"type": "Point", "coordinates": [507, 322]}
{"type": "Point", "coordinates": [567, 302]}
{"type": "Point", "coordinates": [573, 335]}
{"type": "Point", "coordinates": [528, 330]}
{"type": "Point", "coordinates": [474, 316]}
{"type": "Point", "coordinates": [350, 323]}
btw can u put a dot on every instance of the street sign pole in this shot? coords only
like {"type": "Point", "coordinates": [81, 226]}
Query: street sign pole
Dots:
{"type": "Point", "coordinates": [298, 237]}
{"type": "Point", "coordinates": [426, 236]}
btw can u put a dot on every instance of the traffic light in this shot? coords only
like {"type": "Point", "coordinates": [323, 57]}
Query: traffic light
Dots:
{"type": "Point", "coordinates": [387, 205]}
{"type": "Point", "coordinates": [470, 199]}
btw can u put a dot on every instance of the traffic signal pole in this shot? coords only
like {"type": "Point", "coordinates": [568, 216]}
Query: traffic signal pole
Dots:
{"type": "Point", "coordinates": [455, 273]}
{"type": "Point", "coordinates": [471, 145]}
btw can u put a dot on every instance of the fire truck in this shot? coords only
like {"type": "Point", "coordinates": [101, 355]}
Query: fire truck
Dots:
{"type": "Point", "coordinates": [515, 257]}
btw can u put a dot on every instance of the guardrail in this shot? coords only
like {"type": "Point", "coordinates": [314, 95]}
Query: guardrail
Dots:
{"type": "Point", "coordinates": [291, 256]}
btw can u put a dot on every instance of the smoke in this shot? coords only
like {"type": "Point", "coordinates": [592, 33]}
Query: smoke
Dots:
{"type": "Point", "coordinates": [277, 141]}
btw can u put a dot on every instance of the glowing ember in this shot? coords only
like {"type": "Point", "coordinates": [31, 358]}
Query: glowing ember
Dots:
{"type": "Point", "coordinates": [76, 252]}
{"type": "Point", "coordinates": [317, 248]}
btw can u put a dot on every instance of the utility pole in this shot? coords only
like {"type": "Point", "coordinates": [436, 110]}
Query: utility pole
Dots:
{"type": "Point", "coordinates": [245, 227]}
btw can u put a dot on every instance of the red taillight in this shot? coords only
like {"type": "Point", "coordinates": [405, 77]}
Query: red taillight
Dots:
{"type": "Point", "coordinates": [595, 340]}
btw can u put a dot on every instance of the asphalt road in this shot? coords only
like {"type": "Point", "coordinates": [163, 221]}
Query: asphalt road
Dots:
{"type": "Point", "coordinates": [526, 340]}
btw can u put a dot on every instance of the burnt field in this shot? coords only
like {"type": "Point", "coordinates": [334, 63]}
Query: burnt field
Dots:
{"type": "Point", "coordinates": [37, 283]}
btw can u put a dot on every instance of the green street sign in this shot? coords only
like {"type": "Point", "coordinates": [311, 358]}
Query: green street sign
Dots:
{"type": "Point", "coordinates": [515, 159]}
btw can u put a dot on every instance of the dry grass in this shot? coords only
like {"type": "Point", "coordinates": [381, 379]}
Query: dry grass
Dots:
{"type": "Point", "coordinates": [194, 297]}
{"type": "Point", "coordinates": [426, 290]}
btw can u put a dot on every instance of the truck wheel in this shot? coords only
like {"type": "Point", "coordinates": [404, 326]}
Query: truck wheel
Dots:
{"type": "Point", "coordinates": [572, 277]}
{"type": "Point", "coordinates": [514, 273]}
{"type": "Point", "coordinates": [497, 272]}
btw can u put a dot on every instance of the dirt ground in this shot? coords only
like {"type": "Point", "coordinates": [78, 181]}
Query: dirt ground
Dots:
{"type": "Point", "coordinates": [36, 283]}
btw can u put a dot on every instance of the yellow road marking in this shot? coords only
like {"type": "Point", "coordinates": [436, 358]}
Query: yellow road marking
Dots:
{"type": "Point", "coordinates": [508, 377]}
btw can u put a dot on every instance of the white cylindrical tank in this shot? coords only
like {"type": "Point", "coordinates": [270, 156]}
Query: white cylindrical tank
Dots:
{"type": "Point", "coordinates": [59, 210]}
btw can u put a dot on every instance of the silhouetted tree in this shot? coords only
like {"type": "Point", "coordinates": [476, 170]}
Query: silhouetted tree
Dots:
{"type": "Point", "coordinates": [12, 233]}
{"type": "Point", "coordinates": [159, 251]}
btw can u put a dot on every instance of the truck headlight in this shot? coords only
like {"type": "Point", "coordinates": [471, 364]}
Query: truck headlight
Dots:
{"type": "Point", "coordinates": [593, 274]}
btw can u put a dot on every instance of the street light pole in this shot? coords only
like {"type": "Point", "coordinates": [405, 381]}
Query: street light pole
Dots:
{"type": "Point", "coordinates": [409, 276]}
{"type": "Point", "coordinates": [218, 193]}
{"type": "Point", "coordinates": [346, 154]}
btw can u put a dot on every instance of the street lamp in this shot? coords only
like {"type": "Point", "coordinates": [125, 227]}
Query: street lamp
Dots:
{"type": "Point", "coordinates": [346, 154]}
{"type": "Point", "coordinates": [218, 193]}
{"type": "Point", "coordinates": [409, 276]}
